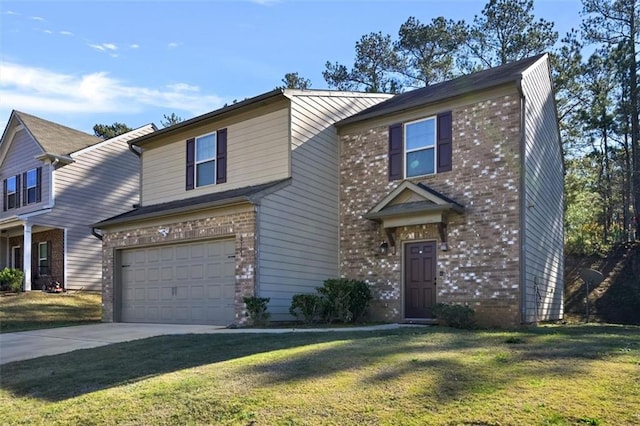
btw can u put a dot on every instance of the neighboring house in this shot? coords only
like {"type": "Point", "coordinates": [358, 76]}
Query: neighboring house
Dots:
{"type": "Point", "coordinates": [454, 193]}
{"type": "Point", "coordinates": [237, 202]}
{"type": "Point", "coordinates": [56, 181]}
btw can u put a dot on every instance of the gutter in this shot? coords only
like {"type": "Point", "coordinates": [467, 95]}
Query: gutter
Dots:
{"type": "Point", "coordinates": [96, 234]}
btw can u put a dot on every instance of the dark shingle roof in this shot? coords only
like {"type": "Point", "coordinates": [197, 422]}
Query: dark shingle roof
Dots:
{"type": "Point", "coordinates": [55, 138]}
{"type": "Point", "coordinates": [247, 194]}
{"type": "Point", "coordinates": [458, 86]}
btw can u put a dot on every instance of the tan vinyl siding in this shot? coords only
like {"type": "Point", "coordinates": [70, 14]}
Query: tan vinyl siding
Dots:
{"type": "Point", "coordinates": [19, 159]}
{"type": "Point", "coordinates": [257, 152]}
{"type": "Point", "coordinates": [102, 182]}
{"type": "Point", "coordinates": [298, 226]}
{"type": "Point", "coordinates": [543, 204]}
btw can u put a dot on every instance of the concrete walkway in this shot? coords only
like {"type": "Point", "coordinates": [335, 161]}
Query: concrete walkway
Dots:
{"type": "Point", "coordinates": [34, 344]}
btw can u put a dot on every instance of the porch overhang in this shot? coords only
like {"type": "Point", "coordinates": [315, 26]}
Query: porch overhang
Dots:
{"type": "Point", "coordinates": [413, 204]}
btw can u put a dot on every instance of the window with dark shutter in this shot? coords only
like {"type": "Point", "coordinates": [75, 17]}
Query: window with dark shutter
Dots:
{"type": "Point", "coordinates": [395, 152]}
{"type": "Point", "coordinates": [17, 203]}
{"type": "Point", "coordinates": [445, 140]}
{"type": "Point", "coordinates": [221, 156]}
{"type": "Point", "coordinates": [24, 189]}
{"type": "Point", "coordinates": [191, 156]}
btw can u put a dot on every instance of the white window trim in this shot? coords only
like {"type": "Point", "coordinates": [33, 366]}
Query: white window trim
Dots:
{"type": "Point", "coordinates": [35, 186]}
{"type": "Point", "coordinates": [14, 192]}
{"type": "Point", "coordinates": [13, 256]}
{"type": "Point", "coordinates": [40, 259]}
{"type": "Point", "coordinates": [407, 151]}
{"type": "Point", "coordinates": [196, 163]}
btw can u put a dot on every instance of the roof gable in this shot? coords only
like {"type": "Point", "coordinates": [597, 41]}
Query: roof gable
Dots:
{"type": "Point", "coordinates": [481, 80]}
{"type": "Point", "coordinates": [54, 138]}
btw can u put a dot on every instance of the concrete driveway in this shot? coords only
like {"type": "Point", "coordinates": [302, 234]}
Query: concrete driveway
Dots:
{"type": "Point", "coordinates": [33, 344]}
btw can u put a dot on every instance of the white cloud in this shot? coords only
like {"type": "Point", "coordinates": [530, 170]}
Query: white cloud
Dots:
{"type": "Point", "coordinates": [47, 31]}
{"type": "Point", "coordinates": [134, 46]}
{"type": "Point", "coordinates": [173, 45]}
{"type": "Point", "coordinates": [66, 33]}
{"type": "Point", "coordinates": [11, 12]}
{"type": "Point", "coordinates": [40, 90]}
{"type": "Point", "coordinates": [104, 47]}
{"type": "Point", "coordinates": [37, 18]}
{"type": "Point", "coordinates": [265, 2]}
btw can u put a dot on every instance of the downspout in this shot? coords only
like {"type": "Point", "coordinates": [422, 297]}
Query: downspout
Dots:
{"type": "Point", "coordinates": [135, 151]}
{"type": "Point", "coordinates": [523, 206]}
{"type": "Point", "coordinates": [96, 234]}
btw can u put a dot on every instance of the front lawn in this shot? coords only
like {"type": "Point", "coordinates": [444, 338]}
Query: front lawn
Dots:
{"type": "Point", "coordinates": [556, 375]}
{"type": "Point", "coordinates": [34, 310]}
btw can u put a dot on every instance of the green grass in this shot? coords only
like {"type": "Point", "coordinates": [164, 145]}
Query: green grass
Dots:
{"type": "Point", "coordinates": [571, 375]}
{"type": "Point", "coordinates": [34, 310]}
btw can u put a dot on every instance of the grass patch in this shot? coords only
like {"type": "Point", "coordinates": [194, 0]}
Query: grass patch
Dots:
{"type": "Point", "coordinates": [35, 310]}
{"type": "Point", "coordinates": [415, 376]}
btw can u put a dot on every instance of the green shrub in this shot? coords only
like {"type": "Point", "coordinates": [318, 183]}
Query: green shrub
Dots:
{"type": "Point", "coordinates": [11, 279]}
{"type": "Point", "coordinates": [307, 306]}
{"type": "Point", "coordinates": [344, 299]}
{"type": "Point", "coordinates": [257, 310]}
{"type": "Point", "coordinates": [456, 316]}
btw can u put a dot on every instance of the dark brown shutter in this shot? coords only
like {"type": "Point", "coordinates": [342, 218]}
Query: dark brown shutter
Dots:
{"type": "Point", "coordinates": [38, 184]}
{"type": "Point", "coordinates": [191, 163]}
{"type": "Point", "coordinates": [395, 152]}
{"type": "Point", "coordinates": [221, 156]}
{"type": "Point", "coordinates": [445, 142]}
{"type": "Point", "coordinates": [25, 197]}
{"type": "Point", "coordinates": [5, 199]}
{"type": "Point", "coordinates": [18, 190]}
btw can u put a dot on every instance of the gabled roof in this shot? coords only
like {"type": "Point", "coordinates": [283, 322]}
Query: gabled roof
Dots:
{"type": "Point", "coordinates": [410, 198]}
{"type": "Point", "coordinates": [481, 80]}
{"type": "Point", "coordinates": [55, 138]}
{"type": "Point", "coordinates": [251, 194]}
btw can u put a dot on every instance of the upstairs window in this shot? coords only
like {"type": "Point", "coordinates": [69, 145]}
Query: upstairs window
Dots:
{"type": "Point", "coordinates": [11, 200]}
{"type": "Point", "coordinates": [420, 147]}
{"type": "Point", "coordinates": [31, 186]}
{"type": "Point", "coordinates": [206, 160]}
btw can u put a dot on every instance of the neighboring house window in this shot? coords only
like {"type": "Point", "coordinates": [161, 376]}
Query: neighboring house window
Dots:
{"type": "Point", "coordinates": [11, 192]}
{"type": "Point", "coordinates": [207, 159]}
{"type": "Point", "coordinates": [43, 258]}
{"type": "Point", "coordinates": [420, 147]}
{"type": "Point", "coordinates": [32, 188]}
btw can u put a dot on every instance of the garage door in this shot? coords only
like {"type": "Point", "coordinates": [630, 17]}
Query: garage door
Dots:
{"type": "Point", "coordinates": [183, 284]}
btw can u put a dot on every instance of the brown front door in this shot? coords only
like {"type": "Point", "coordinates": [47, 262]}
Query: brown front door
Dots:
{"type": "Point", "coordinates": [419, 279]}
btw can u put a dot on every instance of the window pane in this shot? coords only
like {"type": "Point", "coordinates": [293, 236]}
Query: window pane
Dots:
{"type": "Point", "coordinates": [42, 250]}
{"type": "Point", "coordinates": [31, 178]}
{"type": "Point", "coordinates": [420, 134]}
{"type": "Point", "coordinates": [420, 162]}
{"type": "Point", "coordinates": [205, 173]}
{"type": "Point", "coordinates": [206, 147]}
{"type": "Point", "coordinates": [31, 195]}
{"type": "Point", "coordinates": [11, 184]}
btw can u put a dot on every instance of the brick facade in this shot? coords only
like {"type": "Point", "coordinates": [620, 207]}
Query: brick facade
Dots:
{"type": "Point", "coordinates": [241, 226]}
{"type": "Point", "coordinates": [56, 263]}
{"type": "Point", "coordinates": [481, 267]}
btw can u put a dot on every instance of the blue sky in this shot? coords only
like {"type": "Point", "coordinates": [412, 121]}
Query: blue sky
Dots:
{"type": "Point", "coordinates": [79, 63]}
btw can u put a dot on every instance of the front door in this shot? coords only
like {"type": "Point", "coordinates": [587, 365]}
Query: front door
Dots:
{"type": "Point", "coordinates": [419, 279]}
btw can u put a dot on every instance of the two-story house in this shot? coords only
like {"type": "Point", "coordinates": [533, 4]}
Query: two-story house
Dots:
{"type": "Point", "coordinates": [454, 193]}
{"type": "Point", "coordinates": [451, 193]}
{"type": "Point", "coordinates": [56, 181]}
{"type": "Point", "coordinates": [237, 202]}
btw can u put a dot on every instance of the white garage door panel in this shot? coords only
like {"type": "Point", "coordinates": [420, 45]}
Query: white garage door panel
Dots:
{"type": "Point", "coordinates": [187, 283]}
